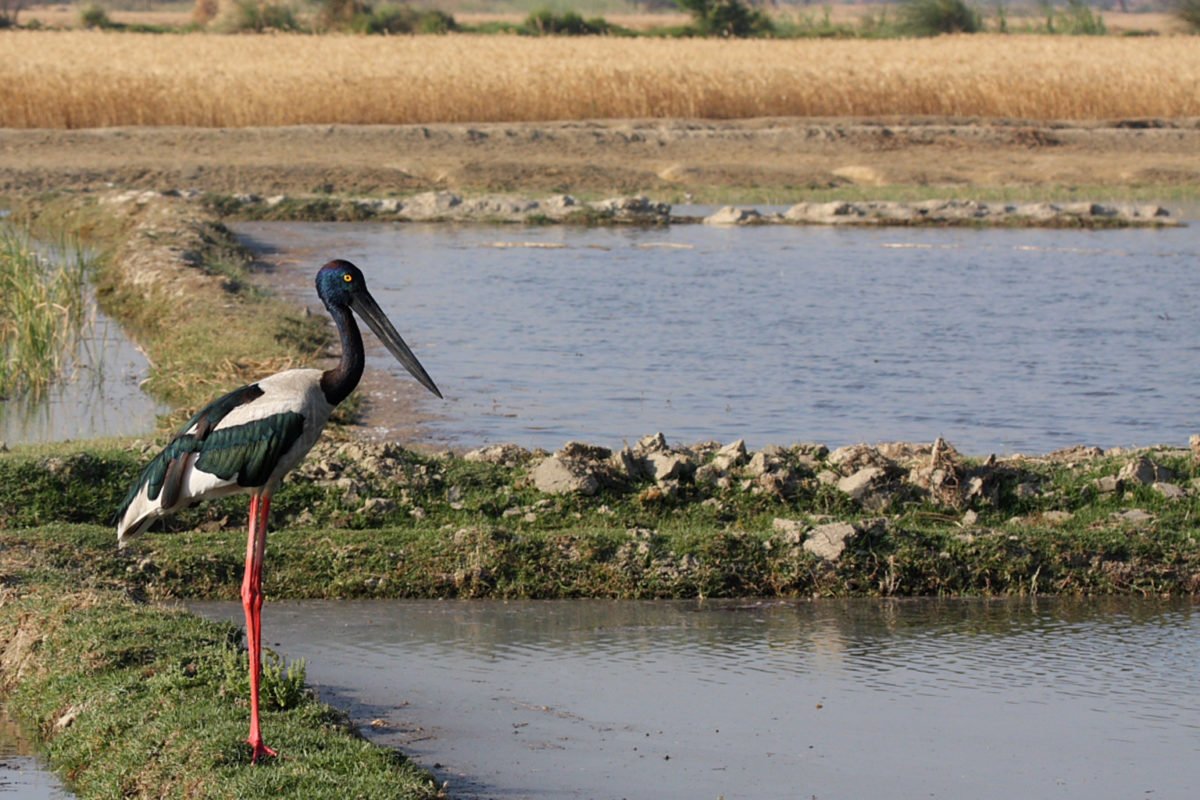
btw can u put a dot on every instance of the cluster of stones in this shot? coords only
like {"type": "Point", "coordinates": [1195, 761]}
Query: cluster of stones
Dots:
{"type": "Point", "coordinates": [877, 478]}
{"type": "Point", "coordinates": [439, 206]}
{"type": "Point", "coordinates": [449, 206]}
{"type": "Point", "coordinates": [950, 213]}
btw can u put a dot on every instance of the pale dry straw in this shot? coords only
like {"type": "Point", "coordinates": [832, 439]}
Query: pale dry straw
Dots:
{"type": "Point", "coordinates": [96, 79]}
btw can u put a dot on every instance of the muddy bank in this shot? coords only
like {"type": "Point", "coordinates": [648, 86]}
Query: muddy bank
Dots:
{"type": "Point", "coordinates": [785, 159]}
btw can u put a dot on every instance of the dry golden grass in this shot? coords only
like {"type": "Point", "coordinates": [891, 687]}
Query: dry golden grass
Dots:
{"type": "Point", "coordinates": [84, 79]}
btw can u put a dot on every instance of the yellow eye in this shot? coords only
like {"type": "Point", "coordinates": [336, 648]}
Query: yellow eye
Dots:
{"type": "Point", "coordinates": [348, 278]}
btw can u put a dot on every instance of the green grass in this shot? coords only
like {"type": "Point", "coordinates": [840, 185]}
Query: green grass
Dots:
{"type": "Point", "coordinates": [138, 701]}
{"type": "Point", "coordinates": [449, 529]}
{"type": "Point", "coordinates": [42, 310]}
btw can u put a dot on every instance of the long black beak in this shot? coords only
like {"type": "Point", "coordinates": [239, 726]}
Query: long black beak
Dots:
{"type": "Point", "coordinates": [378, 322]}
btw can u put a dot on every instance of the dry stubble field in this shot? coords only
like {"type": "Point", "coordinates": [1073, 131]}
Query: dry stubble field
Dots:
{"type": "Point", "coordinates": [1035, 116]}
{"type": "Point", "coordinates": [82, 79]}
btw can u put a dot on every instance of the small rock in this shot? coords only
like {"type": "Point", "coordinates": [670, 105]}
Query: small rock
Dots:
{"type": "Point", "coordinates": [661, 466]}
{"type": "Point", "coordinates": [970, 518]}
{"type": "Point", "coordinates": [67, 719]}
{"type": "Point", "coordinates": [377, 506]}
{"type": "Point", "coordinates": [1057, 517]}
{"type": "Point", "coordinates": [730, 215]}
{"type": "Point", "coordinates": [828, 477]}
{"type": "Point", "coordinates": [861, 482]}
{"type": "Point", "coordinates": [556, 475]}
{"type": "Point", "coordinates": [856, 456]}
{"type": "Point", "coordinates": [708, 474]}
{"type": "Point", "coordinates": [583, 450]}
{"type": "Point", "coordinates": [828, 542]}
{"type": "Point", "coordinates": [1169, 490]}
{"type": "Point", "coordinates": [983, 490]}
{"type": "Point", "coordinates": [731, 455]}
{"type": "Point", "coordinates": [760, 464]}
{"type": "Point", "coordinates": [504, 454]}
{"type": "Point", "coordinates": [1107, 484]}
{"type": "Point", "coordinates": [651, 443]}
{"type": "Point", "coordinates": [1144, 471]}
{"type": "Point", "coordinates": [1134, 516]}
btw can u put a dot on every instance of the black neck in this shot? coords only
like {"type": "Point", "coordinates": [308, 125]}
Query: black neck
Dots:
{"type": "Point", "coordinates": [339, 382]}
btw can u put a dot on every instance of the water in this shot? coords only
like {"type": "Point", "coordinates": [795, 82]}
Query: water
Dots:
{"type": "Point", "coordinates": [998, 340]}
{"type": "Point", "coordinates": [22, 775]}
{"type": "Point", "coordinates": [99, 396]}
{"type": "Point", "coordinates": [828, 699]}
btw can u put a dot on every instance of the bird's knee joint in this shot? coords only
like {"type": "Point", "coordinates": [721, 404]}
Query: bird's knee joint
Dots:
{"type": "Point", "coordinates": [252, 598]}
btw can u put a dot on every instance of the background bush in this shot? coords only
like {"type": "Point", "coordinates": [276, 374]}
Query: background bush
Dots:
{"type": "Point", "coordinates": [732, 18]}
{"type": "Point", "coordinates": [934, 17]}
{"type": "Point", "coordinates": [1189, 12]}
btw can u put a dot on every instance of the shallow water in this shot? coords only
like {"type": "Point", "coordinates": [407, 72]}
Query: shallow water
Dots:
{"type": "Point", "coordinates": [826, 699]}
{"type": "Point", "coordinates": [998, 340]}
{"type": "Point", "coordinates": [100, 395]}
{"type": "Point", "coordinates": [22, 774]}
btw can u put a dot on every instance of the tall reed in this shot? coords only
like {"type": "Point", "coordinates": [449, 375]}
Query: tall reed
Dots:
{"type": "Point", "coordinates": [91, 79]}
{"type": "Point", "coordinates": [42, 310]}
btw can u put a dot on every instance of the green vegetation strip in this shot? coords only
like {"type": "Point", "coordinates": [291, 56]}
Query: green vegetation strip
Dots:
{"type": "Point", "coordinates": [389, 523]}
{"type": "Point", "coordinates": [137, 701]}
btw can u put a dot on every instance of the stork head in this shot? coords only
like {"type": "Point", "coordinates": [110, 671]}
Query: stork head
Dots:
{"type": "Point", "coordinates": [341, 285]}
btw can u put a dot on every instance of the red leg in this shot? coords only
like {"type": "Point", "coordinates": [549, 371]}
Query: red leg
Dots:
{"type": "Point", "coordinates": [252, 601]}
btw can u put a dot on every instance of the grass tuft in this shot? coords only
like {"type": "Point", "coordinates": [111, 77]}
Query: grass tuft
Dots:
{"type": "Point", "coordinates": [42, 310]}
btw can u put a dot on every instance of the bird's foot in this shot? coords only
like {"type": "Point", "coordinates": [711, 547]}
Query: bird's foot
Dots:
{"type": "Point", "coordinates": [258, 750]}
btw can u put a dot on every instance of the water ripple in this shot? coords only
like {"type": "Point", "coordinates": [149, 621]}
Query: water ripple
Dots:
{"type": "Point", "coordinates": [1034, 339]}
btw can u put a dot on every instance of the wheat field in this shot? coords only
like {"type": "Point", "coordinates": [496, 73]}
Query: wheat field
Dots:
{"type": "Point", "coordinates": [83, 79]}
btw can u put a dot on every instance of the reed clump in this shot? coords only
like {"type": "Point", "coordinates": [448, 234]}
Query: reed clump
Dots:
{"type": "Point", "coordinates": [89, 79]}
{"type": "Point", "coordinates": [42, 310]}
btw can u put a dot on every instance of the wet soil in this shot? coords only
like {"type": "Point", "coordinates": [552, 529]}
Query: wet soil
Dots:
{"type": "Point", "coordinates": [604, 157]}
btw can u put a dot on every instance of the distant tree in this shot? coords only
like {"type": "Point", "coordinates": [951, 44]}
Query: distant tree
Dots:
{"type": "Point", "coordinates": [732, 18]}
{"type": "Point", "coordinates": [933, 17]}
{"type": "Point", "coordinates": [1189, 12]}
{"type": "Point", "coordinates": [9, 9]}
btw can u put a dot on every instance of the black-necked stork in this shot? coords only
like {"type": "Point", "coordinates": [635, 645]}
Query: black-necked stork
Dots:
{"type": "Point", "coordinates": [247, 441]}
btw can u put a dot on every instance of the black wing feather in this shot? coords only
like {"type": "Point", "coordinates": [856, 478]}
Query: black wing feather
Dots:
{"type": "Point", "coordinates": [250, 452]}
{"type": "Point", "coordinates": [167, 468]}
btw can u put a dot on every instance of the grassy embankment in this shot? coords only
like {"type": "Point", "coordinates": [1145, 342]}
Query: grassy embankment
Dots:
{"type": "Point", "coordinates": [393, 523]}
{"type": "Point", "coordinates": [133, 700]}
{"type": "Point", "coordinates": [87, 79]}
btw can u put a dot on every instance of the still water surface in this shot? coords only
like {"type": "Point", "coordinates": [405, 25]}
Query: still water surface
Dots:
{"type": "Point", "coordinates": [100, 394]}
{"type": "Point", "coordinates": [22, 774]}
{"type": "Point", "coordinates": [829, 699]}
{"type": "Point", "coordinates": [999, 340]}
